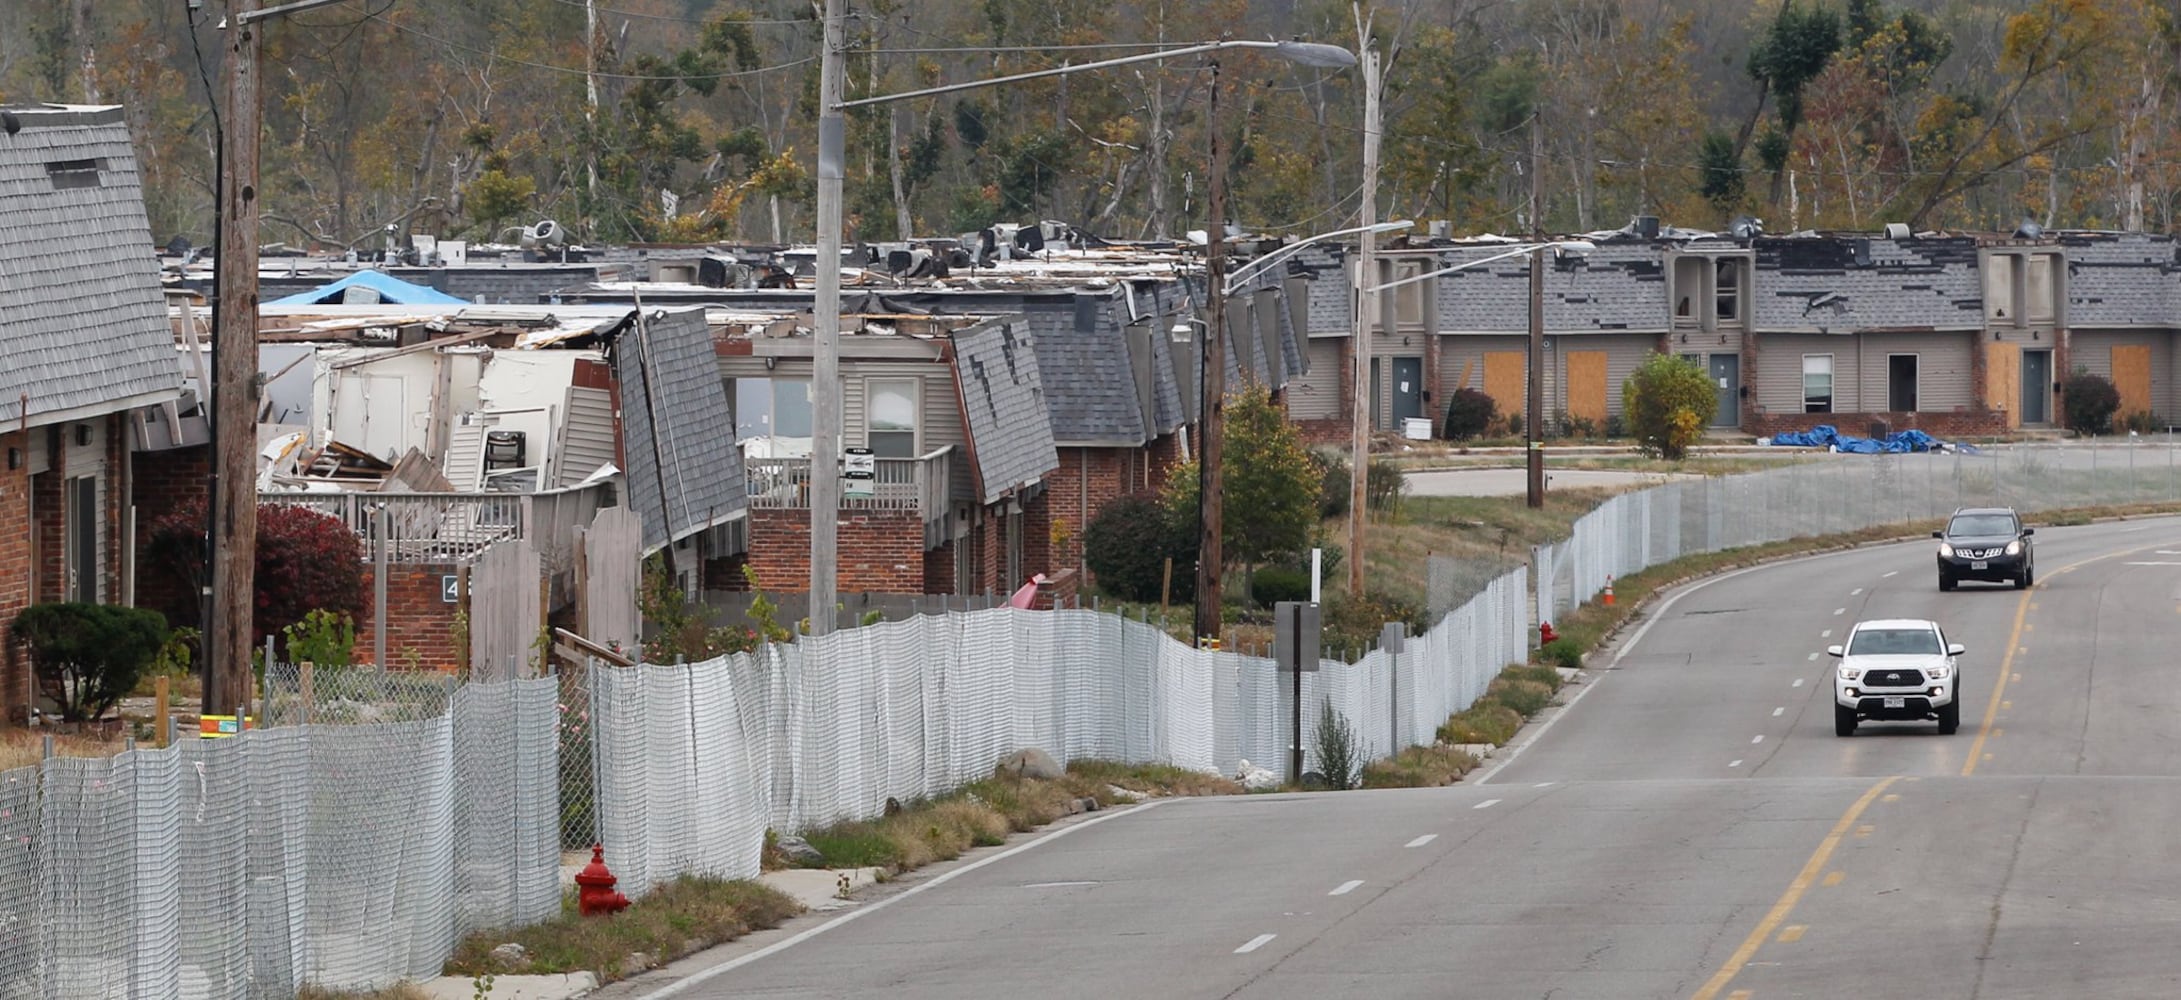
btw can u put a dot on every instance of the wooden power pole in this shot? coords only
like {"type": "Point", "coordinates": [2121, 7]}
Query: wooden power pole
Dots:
{"type": "Point", "coordinates": [1213, 405]}
{"type": "Point", "coordinates": [825, 313]}
{"type": "Point", "coordinates": [1366, 316]}
{"type": "Point", "coordinates": [235, 373]}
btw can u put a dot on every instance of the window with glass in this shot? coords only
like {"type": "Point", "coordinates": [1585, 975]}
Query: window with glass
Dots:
{"type": "Point", "coordinates": [1895, 642]}
{"type": "Point", "coordinates": [890, 417]}
{"type": "Point", "coordinates": [773, 407]}
{"type": "Point", "coordinates": [1729, 291]}
{"type": "Point", "coordinates": [1817, 383]}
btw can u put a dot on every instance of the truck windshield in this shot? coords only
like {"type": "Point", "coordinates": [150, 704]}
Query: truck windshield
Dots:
{"type": "Point", "coordinates": [1894, 641]}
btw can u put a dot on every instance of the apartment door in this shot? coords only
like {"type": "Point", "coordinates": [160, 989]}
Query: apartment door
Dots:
{"type": "Point", "coordinates": [1726, 376]}
{"type": "Point", "coordinates": [2036, 387]}
{"type": "Point", "coordinates": [1901, 372]}
{"type": "Point", "coordinates": [1377, 397]}
{"type": "Point", "coordinates": [1408, 389]}
{"type": "Point", "coordinates": [82, 564]}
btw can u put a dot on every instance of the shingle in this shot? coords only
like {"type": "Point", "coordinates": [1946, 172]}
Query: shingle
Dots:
{"type": "Point", "coordinates": [82, 317]}
{"type": "Point", "coordinates": [1912, 283]}
{"type": "Point", "coordinates": [1619, 287]}
{"type": "Point", "coordinates": [2120, 279]}
{"type": "Point", "coordinates": [998, 369]}
{"type": "Point", "coordinates": [694, 459]}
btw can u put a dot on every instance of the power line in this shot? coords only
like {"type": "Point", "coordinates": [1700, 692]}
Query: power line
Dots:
{"type": "Point", "coordinates": [680, 19]}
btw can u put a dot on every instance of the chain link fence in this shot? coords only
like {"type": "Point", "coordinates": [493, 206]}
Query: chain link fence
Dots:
{"type": "Point", "coordinates": [1633, 531]}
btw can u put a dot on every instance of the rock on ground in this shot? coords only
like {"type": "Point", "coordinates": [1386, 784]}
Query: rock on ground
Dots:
{"type": "Point", "coordinates": [1030, 763]}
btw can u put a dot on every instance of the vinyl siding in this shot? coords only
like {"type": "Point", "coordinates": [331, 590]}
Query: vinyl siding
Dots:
{"type": "Point", "coordinates": [1943, 370]}
{"type": "Point", "coordinates": [1316, 394]}
{"type": "Point", "coordinates": [1469, 349]}
{"type": "Point", "coordinates": [588, 443]}
{"type": "Point", "coordinates": [1778, 383]}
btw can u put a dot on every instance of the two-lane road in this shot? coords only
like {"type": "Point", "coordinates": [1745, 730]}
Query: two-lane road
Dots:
{"type": "Point", "coordinates": [1691, 827]}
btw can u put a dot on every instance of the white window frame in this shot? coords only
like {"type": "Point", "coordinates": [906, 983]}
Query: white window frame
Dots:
{"type": "Point", "coordinates": [1729, 296]}
{"type": "Point", "coordinates": [871, 431]}
{"type": "Point", "coordinates": [2041, 288]}
{"type": "Point", "coordinates": [1689, 284]}
{"type": "Point", "coordinates": [1832, 384]}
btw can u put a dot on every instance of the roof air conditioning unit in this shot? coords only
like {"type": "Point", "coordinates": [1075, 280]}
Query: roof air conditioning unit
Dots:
{"type": "Point", "coordinates": [1897, 230]}
{"type": "Point", "coordinates": [546, 233]}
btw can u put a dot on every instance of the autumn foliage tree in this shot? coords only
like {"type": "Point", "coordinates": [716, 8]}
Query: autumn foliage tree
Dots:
{"type": "Point", "coordinates": [1668, 401]}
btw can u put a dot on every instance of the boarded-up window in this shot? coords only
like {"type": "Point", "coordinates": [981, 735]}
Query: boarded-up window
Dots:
{"type": "Point", "coordinates": [2003, 383]}
{"type": "Point", "coordinates": [2132, 376]}
{"type": "Point", "coordinates": [1817, 383]}
{"type": "Point", "coordinates": [1586, 386]}
{"type": "Point", "coordinates": [1503, 379]}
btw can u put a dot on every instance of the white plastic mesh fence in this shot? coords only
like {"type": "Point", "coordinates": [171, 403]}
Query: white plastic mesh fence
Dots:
{"type": "Point", "coordinates": [696, 760]}
{"type": "Point", "coordinates": [1849, 493]}
{"type": "Point", "coordinates": [241, 868]}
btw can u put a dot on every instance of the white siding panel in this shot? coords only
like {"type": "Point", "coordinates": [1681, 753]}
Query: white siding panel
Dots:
{"type": "Point", "coordinates": [2092, 351]}
{"type": "Point", "coordinates": [1315, 395]}
{"type": "Point", "coordinates": [588, 441]}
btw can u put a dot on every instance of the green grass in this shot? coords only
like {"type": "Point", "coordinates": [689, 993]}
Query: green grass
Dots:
{"type": "Point", "coordinates": [1419, 767]}
{"type": "Point", "coordinates": [677, 918]}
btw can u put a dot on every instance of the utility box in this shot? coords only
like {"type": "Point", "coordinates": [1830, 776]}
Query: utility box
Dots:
{"type": "Point", "coordinates": [1296, 627]}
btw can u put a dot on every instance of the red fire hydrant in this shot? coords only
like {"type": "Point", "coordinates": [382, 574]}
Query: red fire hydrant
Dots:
{"type": "Point", "coordinates": [594, 893]}
{"type": "Point", "coordinates": [1545, 633]}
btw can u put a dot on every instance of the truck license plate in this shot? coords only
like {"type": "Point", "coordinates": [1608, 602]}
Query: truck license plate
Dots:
{"type": "Point", "coordinates": [1896, 702]}
{"type": "Point", "coordinates": [1977, 564]}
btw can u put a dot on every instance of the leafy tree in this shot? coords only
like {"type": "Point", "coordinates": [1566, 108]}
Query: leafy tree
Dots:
{"type": "Point", "coordinates": [1669, 401]}
{"type": "Point", "coordinates": [1271, 487]}
{"type": "Point", "coordinates": [1719, 172]}
{"type": "Point", "coordinates": [1469, 414]}
{"type": "Point", "coordinates": [87, 657]}
{"type": "Point", "coordinates": [1129, 540]}
{"type": "Point", "coordinates": [1800, 41]}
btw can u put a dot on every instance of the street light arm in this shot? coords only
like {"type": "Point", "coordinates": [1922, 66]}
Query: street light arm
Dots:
{"type": "Point", "coordinates": [253, 16]}
{"type": "Point", "coordinates": [1306, 53]}
{"type": "Point", "coordinates": [1577, 247]}
{"type": "Point", "coordinates": [1251, 269]}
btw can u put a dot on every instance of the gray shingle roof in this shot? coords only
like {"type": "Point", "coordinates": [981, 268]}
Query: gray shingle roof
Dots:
{"type": "Point", "coordinates": [701, 471]}
{"type": "Point", "coordinates": [82, 318]}
{"type": "Point", "coordinates": [1090, 389]}
{"type": "Point", "coordinates": [1009, 433]}
{"type": "Point", "coordinates": [2121, 279]}
{"type": "Point", "coordinates": [1912, 283]}
{"type": "Point", "coordinates": [1617, 288]}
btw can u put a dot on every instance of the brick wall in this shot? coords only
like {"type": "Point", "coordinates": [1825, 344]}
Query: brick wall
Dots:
{"type": "Point", "coordinates": [939, 570]}
{"type": "Point", "coordinates": [1939, 424]}
{"type": "Point", "coordinates": [880, 551]}
{"type": "Point", "coordinates": [115, 496]}
{"type": "Point", "coordinates": [417, 621]}
{"type": "Point", "coordinates": [159, 482]}
{"type": "Point", "coordinates": [15, 572]}
{"type": "Point", "coordinates": [50, 515]}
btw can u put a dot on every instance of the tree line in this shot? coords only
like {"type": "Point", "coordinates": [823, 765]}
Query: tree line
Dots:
{"type": "Point", "coordinates": [694, 120]}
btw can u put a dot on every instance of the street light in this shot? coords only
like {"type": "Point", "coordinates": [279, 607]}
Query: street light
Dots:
{"type": "Point", "coordinates": [826, 308]}
{"type": "Point", "coordinates": [1259, 264]}
{"type": "Point", "coordinates": [1533, 419]}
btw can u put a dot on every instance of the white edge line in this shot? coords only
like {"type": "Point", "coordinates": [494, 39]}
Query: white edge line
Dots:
{"type": "Point", "coordinates": [1619, 653]}
{"type": "Point", "coordinates": [1421, 841]}
{"type": "Point", "coordinates": [1347, 887]}
{"type": "Point", "coordinates": [1486, 804]}
{"type": "Point", "coordinates": [1255, 943]}
{"type": "Point", "coordinates": [730, 965]}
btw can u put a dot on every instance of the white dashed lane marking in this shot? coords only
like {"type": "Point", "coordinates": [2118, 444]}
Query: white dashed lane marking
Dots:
{"type": "Point", "coordinates": [1486, 804]}
{"type": "Point", "coordinates": [1255, 943]}
{"type": "Point", "coordinates": [1346, 887]}
{"type": "Point", "coordinates": [1421, 841]}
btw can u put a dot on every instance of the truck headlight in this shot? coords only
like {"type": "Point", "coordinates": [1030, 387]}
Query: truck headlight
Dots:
{"type": "Point", "coordinates": [1851, 673]}
{"type": "Point", "coordinates": [1946, 550]}
{"type": "Point", "coordinates": [2014, 548]}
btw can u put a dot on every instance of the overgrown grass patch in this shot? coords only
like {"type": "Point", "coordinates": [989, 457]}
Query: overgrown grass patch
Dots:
{"type": "Point", "coordinates": [677, 918]}
{"type": "Point", "coordinates": [26, 747]}
{"type": "Point", "coordinates": [1419, 767]}
{"type": "Point", "coordinates": [403, 991]}
{"type": "Point", "coordinates": [982, 813]}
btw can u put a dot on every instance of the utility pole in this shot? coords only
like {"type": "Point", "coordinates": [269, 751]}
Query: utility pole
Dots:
{"type": "Point", "coordinates": [1533, 416]}
{"type": "Point", "coordinates": [825, 378]}
{"type": "Point", "coordinates": [1366, 321]}
{"type": "Point", "coordinates": [1212, 424]}
{"type": "Point", "coordinates": [235, 373]}
{"type": "Point", "coordinates": [590, 96]}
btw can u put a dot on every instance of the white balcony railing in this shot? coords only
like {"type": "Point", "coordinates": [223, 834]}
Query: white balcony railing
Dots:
{"type": "Point", "coordinates": [920, 485]}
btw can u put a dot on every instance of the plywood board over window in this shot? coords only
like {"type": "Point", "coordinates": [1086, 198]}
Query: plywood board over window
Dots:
{"type": "Point", "coordinates": [2003, 379]}
{"type": "Point", "coordinates": [2132, 376]}
{"type": "Point", "coordinates": [1503, 379]}
{"type": "Point", "coordinates": [1586, 386]}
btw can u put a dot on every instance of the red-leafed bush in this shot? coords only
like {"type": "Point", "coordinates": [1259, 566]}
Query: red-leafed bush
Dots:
{"type": "Point", "coordinates": [305, 560]}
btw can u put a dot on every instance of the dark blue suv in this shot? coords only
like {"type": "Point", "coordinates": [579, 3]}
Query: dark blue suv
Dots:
{"type": "Point", "coordinates": [1986, 543]}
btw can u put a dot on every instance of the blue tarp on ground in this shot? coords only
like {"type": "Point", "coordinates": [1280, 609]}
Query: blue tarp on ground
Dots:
{"type": "Point", "coordinates": [392, 291]}
{"type": "Point", "coordinates": [1827, 436]}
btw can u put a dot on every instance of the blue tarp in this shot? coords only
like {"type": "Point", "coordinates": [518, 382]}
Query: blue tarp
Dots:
{"type": "Point", "coordinates": [1827, 436]}
{"type": "Point", "coordinates": [392, 291]}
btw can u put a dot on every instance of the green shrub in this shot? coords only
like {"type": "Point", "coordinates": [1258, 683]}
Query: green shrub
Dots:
{"type": "Point", "coordinates": [2090, 402]}
{"type": "Point", "coordinates": [87, 657]}
{"type": "Point", "coordinates": [1669, 401]}
{"type": "Point", "coordinates": [1271, 585]}
{"type": "Point", "coordinates": [1469, 415]}
{"type": "Point", "coordinates": [1383, 485]}
{"type": "Point", "coordinates": [1339, 749]}
{"type": "Point", "coordinates": [1561, 652]}
{"type": "Point", "coordinates": [1536, 673]}
{"type": "Point", "coordinates": [1616, 427]}
{"type": "Point", "coordinates": [1127, 545]}
{"type": "Point", "coordinates": [1334, 483]}
{"type": "Point", "coordinates": [324, 638]}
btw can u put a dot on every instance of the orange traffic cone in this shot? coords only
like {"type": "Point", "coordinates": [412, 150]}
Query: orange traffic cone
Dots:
{"type": "Point", "coordinates": [1609, 591]}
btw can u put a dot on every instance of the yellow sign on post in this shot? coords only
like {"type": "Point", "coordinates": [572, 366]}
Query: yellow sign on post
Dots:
{"type": "Point", "coordinates": [218, 727]}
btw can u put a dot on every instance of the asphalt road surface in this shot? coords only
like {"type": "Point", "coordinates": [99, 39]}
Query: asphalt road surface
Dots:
{"type": "Point", "coordinates": [1688, 827]}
